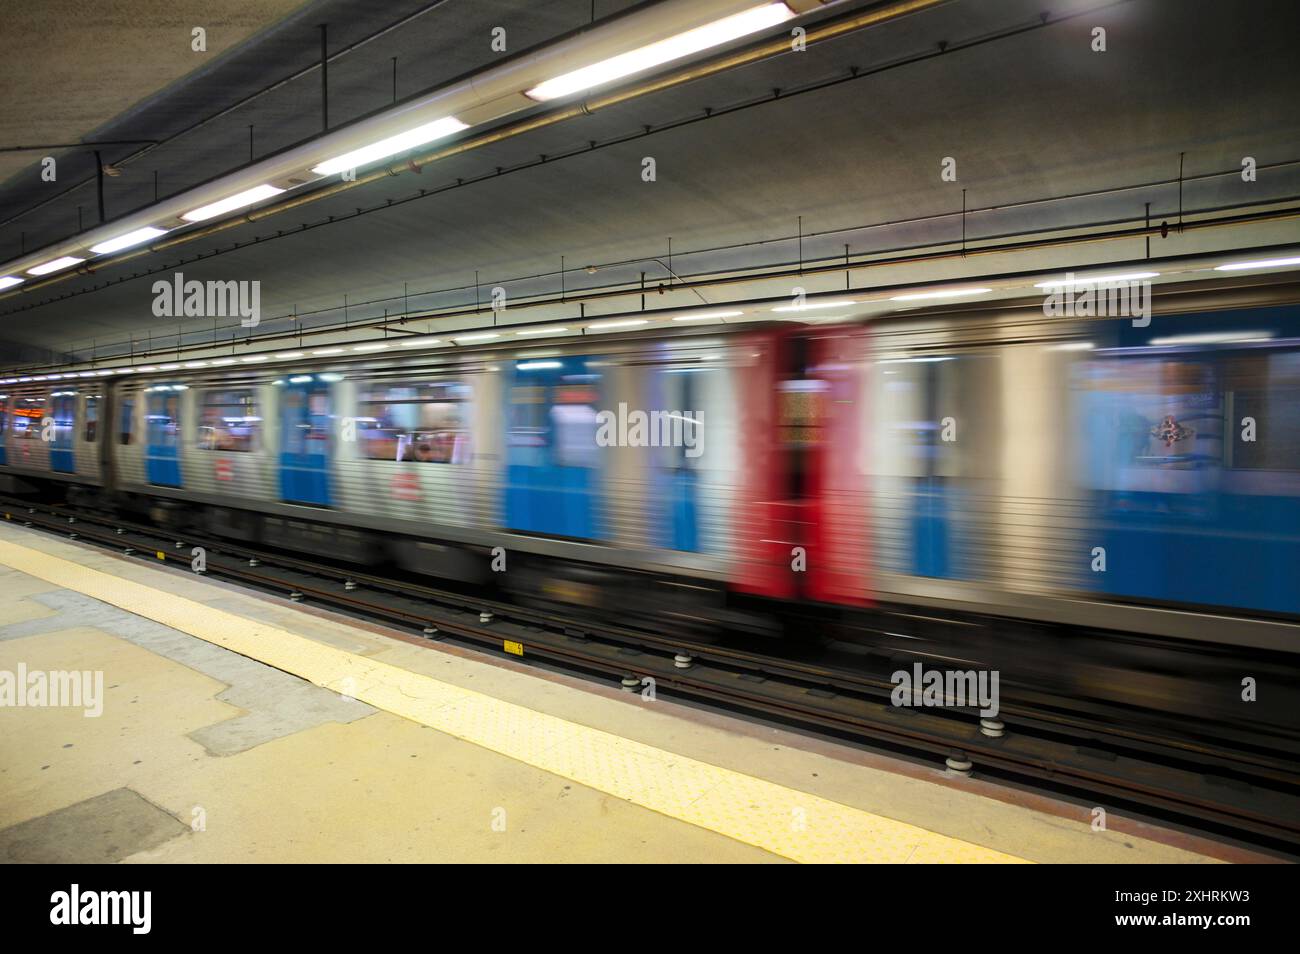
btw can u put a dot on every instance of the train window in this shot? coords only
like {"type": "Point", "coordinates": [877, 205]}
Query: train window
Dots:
{"type": "Point", "coordinates": [163, 416]}
{"type": "Point", "coordinates": [27, 415]}
{"type": "Point", "coordinates": [65, 417]}
{"type": "Point", "coordinates": [425, 422]}
{"type": "Point", "coordinates": [4, 414]}
{"type": "Point", "coordinates": [126, 421]}
{"type": "Point", "coordinates": [1265, 389]}
{"type": "Point", "coordinates": [802, 410]}
{"type": "Point", "coordinates": [574, 424]}
{"type": "Point", "coordinates": [229, 421]}
{"type": "Point", "coordinates": [92, 417]}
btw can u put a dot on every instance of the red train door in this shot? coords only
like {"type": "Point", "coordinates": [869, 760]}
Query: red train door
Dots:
{"type": "Point", "coordinates": [802, 528]}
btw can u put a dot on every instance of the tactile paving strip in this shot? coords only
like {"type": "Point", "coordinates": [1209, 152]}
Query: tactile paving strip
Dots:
{"type": "Point", "coordinates": [787, 822]}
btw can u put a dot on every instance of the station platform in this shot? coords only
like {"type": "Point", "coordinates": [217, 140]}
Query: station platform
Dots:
{"type": "Point", "coordinates": [239, 727]}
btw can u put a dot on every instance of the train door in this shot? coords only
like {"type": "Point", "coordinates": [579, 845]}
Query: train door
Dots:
{"type": "Point", "coordinates": [305, 423]}
{"type": "Point", "coordinates": [552, 460]}
{"type": "Point", "coordinates": [162, 465]}
{"type": "Point", "coordinates": [63, 409]}
{"type": "Point", "coordinates": [802, 524]}
{"type": "Point", "coordinates": [4, 428]}
{"type": "Point", "coordinates": [674, 473]}
{"type": "Point", "coordinates": [931, 552]}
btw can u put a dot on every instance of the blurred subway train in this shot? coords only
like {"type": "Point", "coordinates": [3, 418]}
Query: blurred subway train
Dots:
{"type": "Point", "coordinates": [1079, 471]}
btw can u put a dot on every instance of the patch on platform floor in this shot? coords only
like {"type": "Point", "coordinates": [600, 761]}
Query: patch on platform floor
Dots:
{"type": "Point", "coordinates": [101, 830]}
{"type": "Point", "coordinates": [275, 703]}
{"type": "Point", "coordinates": [795, 824]}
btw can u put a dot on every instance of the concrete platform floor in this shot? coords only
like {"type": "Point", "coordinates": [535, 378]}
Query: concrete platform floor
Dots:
{"type": "Point", "coordinates": [206, 754]}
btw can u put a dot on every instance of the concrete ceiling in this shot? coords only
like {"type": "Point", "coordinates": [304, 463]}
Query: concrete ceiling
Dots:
{"type": "Point", "coordinates": [1028, 110]}
{"type": "Point", "coordinates": [68, 68]}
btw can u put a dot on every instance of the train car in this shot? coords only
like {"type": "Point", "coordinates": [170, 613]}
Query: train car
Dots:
{"type": "Point", "coordinates": [606, 468]}
{"type": "Point", "coordinates": [53, 431]}
{"type": "Point", "coordinates": [1094, 472]}
{"type": "Point", "coordinates": [994, 461]}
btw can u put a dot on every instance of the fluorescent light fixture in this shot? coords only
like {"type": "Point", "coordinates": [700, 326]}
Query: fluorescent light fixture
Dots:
{"type": "Point", "coordinates": [247, 197]}
{"type": "Point", "coordinates": [1232, 267]}
{"type": "Point", "coordinates": [706, 315]}
{"type": "Point", "coordinates": [1231, 337]}
{"type": "Point", "coordinates": [223, 361]}
{"type": "Point", "coordinates": [391, 146]}
{"type": "Point", "coordinates": [421, 342]}
{"type": "Point", "coordinates": [483, 337]}
{"type": "Point", "coordinates": [147, 367]}
{"type": "Point", "coordinates": [168, 367]}
{"type": "Point", "coordinates": [328, 351]}
{"type": "Point", "coordinates": [814, 305]}
{"type": "Point", "coordinates": [196, 364]}
{"type": "Point", "coordinates": [253, 359]}
{"type": "Point", "coordinates": [529, 332]}
{"type": "Point", "coordinates": [1072, 346]}
{"type": "Point", "coordinates": [664, 51]}
{"type": "Point", "coordinates": [9, 281]}
{"type": "Point", "coordinates": [371, 347]}
{"type": "Point", "coordinates": [950, 293]}
{"type": "Point", "coordinates": [127, 240]}
{"type": "Point", "coordinates": [55, 265]}
{"type": "Point", "coordinates": [537, 365]}
{"type": "Point", "coordinates": [927, 360]}
{"type": "Point", "coordinates": [286, 355]}
{"type": "Point", "coordinates": [610, 325]}
{"type": "Point", "coordinates": [1073, 282]}
{"type": "Point", "coordinates": [300, 379]}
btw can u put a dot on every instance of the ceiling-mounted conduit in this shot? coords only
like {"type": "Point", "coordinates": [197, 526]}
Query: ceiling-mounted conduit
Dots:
{"type": "Point", "coordinates": [894, 258]}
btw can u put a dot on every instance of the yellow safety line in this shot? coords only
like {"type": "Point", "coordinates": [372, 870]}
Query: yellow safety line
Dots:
{"type": "Point", "coordinates": [781, 820]}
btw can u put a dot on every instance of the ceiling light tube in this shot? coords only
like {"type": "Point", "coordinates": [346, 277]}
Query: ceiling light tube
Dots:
{"type": "Point", "coordinates": [1073, 282]}
{"type": "Point", "coordinates": [610, 325]}
{"type": "Point", "coordinates": [127, 240]}
{"type": "Point", "coordinates": [812, 305]}
{"type": "Point", "coordinates": [528, 332]}
{"type": "Point", "coordinates": [950, 293]}
{"type": "Point", "coordinates": [707, 315]}
{"type": "Point", "coordinates": [238, 201]}
{"type": "Point", "coordinates": [488, 336]}
{"type": "Point", "coordinates": [664, 51]}
{"type": "Point", "coordinates": [9, 281]}
{"type": "Point", "coordinates": [55, 265]}
{"type": "Point", "coordinates": [438, 129]}
{"type": "Point", "coordinates": [1238, 266]}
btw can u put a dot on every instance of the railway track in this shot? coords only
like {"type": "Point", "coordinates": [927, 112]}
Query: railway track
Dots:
{"type": "Point", "coordinates": [1250, 793]}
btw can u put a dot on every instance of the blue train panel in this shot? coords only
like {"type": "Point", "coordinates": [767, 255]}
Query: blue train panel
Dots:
{"type": "Point", "coordinates": [674, 481]}
{"type": "Point", "coordinates": [553, 475]}
{"type": "Point", "coordinates": [1192, 427]}
{"type": "Point", "coordinates": [63, 409]}
{"type": "Point", "coordinates": [305, 425]}
{"type": "Point", "coordinates": [162, 465]}
{"type": "Point", "coordinates": [931, 547]}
